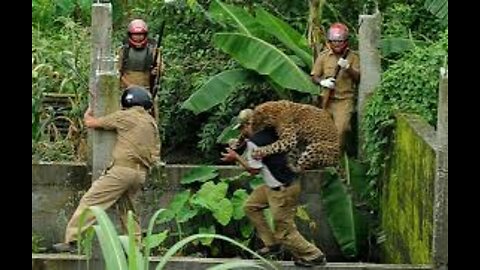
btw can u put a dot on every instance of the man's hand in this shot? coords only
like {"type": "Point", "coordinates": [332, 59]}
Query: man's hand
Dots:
{"type": "Point", "coordinates": [89, 120]}
{"type": "Point", "coordinates": [343, 63]}
{"type": "Point", "coordinates": [328, 83]}
{"type": "Point", "coordinates": [88, 113]}
{"type": "Point", "coordinates": [125, 81]}
{"type": "Point", "coordinates": [230, 155]}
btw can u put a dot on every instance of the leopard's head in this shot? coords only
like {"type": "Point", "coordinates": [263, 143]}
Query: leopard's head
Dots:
{"type": "Point", "coordinates": [268, 114]}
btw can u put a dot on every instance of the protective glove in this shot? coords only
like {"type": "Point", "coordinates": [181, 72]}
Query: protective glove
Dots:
{"type": "Point", "coordinates": [328, 83]}
{"type": "Point", "coordinates": [343, 63]}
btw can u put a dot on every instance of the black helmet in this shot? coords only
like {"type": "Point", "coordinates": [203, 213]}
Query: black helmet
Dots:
{"type": "Point", "coordinates": [136, 96]}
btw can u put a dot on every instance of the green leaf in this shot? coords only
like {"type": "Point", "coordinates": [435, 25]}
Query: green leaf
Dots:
{"type": "Point", "coordinates": [186, 213]}
{"type": "Point", "coordinates": [398, 45]}
{"type": "Point", "coordinates": [340, 214]}
{"type": "Point", "coordinates": [286, 34]}
{"type": "Point", "coordinates": [266, 59]}
{"type": "Point", "coordinates": [357, 178]}
{"type": "Point", "coordinates": [135, 259]}
{"type": "Point", "coordinates": [147, 244]}
{"type": "Point", "coordinates": [109, 242]}
{"type": "Point", "coordinates": [238, 201]}
{"type": "Point", "coordinates": [246, 229]}
{"type": "Point", "coordinates": [178, 202]}
{"type": "Point", "coordinates": [65, 7]}
{"type": "Point", "coordinates": [222, 211]}
{"type": "Point", "coordinates": [199, 174]}
{"type": "Point", "coordinates": [85, 6]}
{"type": "Point", "coordinates": [216, 90]}
{"type": "Point", "coordinates": [134, 262]}
{"type": "Point", "coordinates": [438, 8]}
{"type": "Point", "coordinates": [256, 181]}
{"type": "Point", "coordinates": [210, 194]}
{"type": "Point", "coordinates": [165, 216]}
{"type": "Point", "coordinates": [228, 133]}
{"type": "Point", "coordinates": [207, 230]}
{"type": "Point", "coordinates": [234, 15]}
{"type": "Point", "coordinates": [155, 240]}
{"type": "Point", "coordinates": [191, 3]}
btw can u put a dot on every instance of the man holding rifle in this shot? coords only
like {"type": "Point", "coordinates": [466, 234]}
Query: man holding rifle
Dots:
{"type": "Point", "coordinates": [140, 60]}
{"type": "Point", "coordinates": [337, 70]}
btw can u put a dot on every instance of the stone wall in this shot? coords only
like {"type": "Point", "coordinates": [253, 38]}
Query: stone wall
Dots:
{"type": "Point", "coordinates": [408, 193]}
{"type": "Point", "coordinates": [56, 189]}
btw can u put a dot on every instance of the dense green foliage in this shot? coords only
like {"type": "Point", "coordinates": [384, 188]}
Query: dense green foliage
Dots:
{"type": "Point", "coordinates": [410, 85]}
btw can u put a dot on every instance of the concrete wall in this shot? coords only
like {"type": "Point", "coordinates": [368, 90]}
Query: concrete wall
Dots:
{"type": "Point", "coordinates": [408, 193]}
{"type": "Point", "coordinates": [56, 189]}
{"type": "Point", "coordinates": [75, 262]}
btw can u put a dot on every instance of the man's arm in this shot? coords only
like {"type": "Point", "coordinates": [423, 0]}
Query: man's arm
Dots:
{"type": "Point", "coordinates": [89, 120]}
{"type": "Point", "coordinates": [231, 156]}
{"type": "Point", "coordinates": [108, 122]}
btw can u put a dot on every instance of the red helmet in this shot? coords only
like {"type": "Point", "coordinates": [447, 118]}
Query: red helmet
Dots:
{"type": "Point", "coordinates": [338, 37]}
{"type": "Point", "coordinates": [137, 26]}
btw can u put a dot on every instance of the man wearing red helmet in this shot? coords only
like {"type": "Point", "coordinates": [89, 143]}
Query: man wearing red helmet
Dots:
{"type": "Point", "coordinates": [137, 63]}
{"type": "Point", "coordinates": [338, 69]}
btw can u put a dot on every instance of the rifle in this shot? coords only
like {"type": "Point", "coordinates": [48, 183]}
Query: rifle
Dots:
{"type": "Point", "coordinates": [155, 80]}
{"type": "Point", "coordinates": [330, 92]}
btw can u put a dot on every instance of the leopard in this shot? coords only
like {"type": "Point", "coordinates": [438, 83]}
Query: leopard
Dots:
{"type": "Point", "coordinates": [298, 125]}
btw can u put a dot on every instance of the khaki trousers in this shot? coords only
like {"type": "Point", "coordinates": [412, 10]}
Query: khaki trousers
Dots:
{"type": "Point", "coordinates": [116, 184]}
{"type": "Point", "coordinates": [341, 110]}
{"type": "Point", "coordinates": [283, 206]}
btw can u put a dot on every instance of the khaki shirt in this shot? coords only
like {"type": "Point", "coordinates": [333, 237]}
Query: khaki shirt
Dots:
{"type": "Point", "coordinates": [325, 66]}
{"type": "Point", "coordinates": [137, 136]}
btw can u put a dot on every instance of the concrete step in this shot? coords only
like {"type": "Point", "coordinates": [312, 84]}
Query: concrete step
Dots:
{"type": "Point", "coordinates": [79, 262]}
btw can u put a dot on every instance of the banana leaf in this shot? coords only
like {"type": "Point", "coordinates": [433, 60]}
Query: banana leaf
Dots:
{"type": "Point", "coordinates": [228, 133]}
{"type": "Point", "coordinates": [439, 8]}
{"type": "Point", "coordinates": [398, 45]}
{"type": "Point", "coordinates": [254, 53]}
{"type": "Point", "coordinates": [216, 90]}
{"type": "Point", "coordinates": [236, 16]}
{"type": "Point", "coordinates": [286, 34]}
{"type": "Point", "coordinates": [340, 214]}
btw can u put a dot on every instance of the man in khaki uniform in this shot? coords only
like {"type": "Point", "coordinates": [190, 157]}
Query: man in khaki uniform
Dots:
{"type": "Point", "coordinates": [136, 59]}
{"type": "Point", "coordinates": [136, 150]}
{"type": "Point", "coordinates": [280, 193]}
{"type": "Point", "coordinates": [342, 103]}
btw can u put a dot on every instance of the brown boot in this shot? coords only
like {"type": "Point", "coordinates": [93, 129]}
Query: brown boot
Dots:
{"type": "Point", "coordinates": [320, 260]}
{"type": "Point", "coordinates": [270, 250]}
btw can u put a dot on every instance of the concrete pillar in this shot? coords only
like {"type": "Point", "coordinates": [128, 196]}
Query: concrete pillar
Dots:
{"type": "Point", "coordinates": [370, 65]}
{"type": "Point", "coordinates": [440, 210]}
{"type": "Point", "coordinates": [104, 94]}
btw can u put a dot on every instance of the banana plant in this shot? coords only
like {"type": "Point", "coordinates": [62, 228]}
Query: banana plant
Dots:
{"type": "Point", "coordinates": [249, 45]}
{"type": "Point", "coordinates": [121, 252]}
